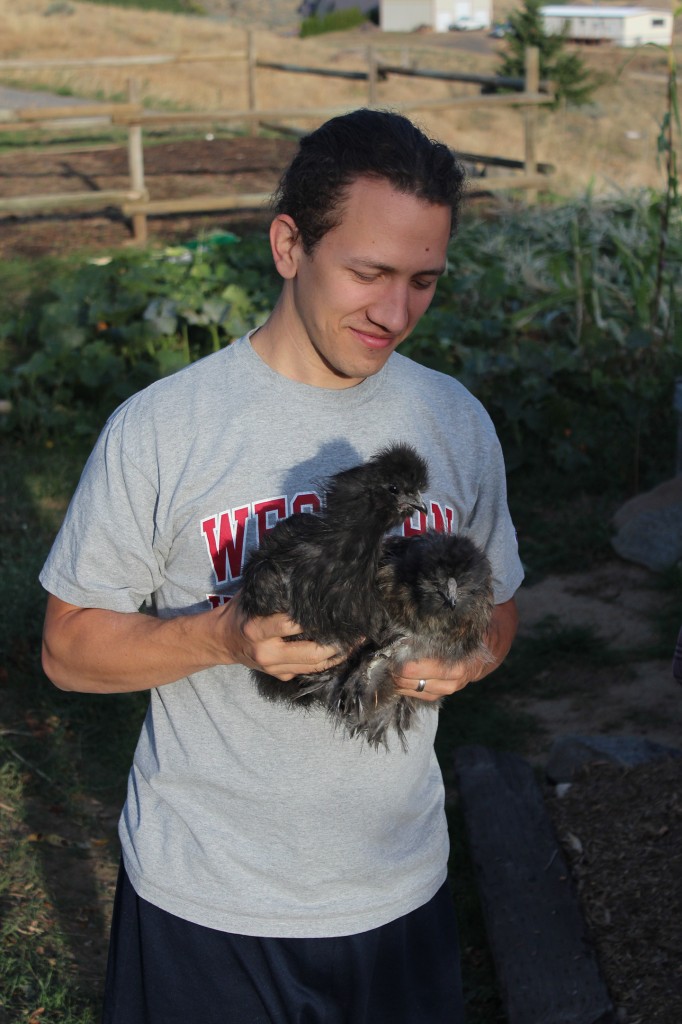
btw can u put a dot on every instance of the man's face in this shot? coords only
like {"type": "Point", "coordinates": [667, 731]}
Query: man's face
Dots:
{"type": "Point", "coordinates": [364, 287]}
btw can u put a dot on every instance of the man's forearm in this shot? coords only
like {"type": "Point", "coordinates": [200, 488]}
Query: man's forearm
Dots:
{"type": "Point", "coordinates": [99, 651]}
{"type": "Point", "coordinates": [91, 650]}
{"type": "Point", "coordinates": [501, 633]}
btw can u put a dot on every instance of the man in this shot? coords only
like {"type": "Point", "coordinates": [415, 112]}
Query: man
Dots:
{"type": "Point", "coordinates": [274, 869]}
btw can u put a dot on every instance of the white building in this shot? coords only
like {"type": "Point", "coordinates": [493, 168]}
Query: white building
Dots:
{"type": "Point", "coordinates": [624, 26]}
{"type": "Point", "coordinates": [439, 15]}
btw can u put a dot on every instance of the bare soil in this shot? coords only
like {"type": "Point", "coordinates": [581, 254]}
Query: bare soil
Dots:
{"type": "Point", "coordinates": [622, 829]}
{"type": "Point", "coordinates": [618, 601]}
{"type": "Point", "coordinates": [172, 169]}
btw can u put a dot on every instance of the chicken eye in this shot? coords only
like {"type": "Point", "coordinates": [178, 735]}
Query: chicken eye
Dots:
{"type": "Point", "coordinates": [393, 489]}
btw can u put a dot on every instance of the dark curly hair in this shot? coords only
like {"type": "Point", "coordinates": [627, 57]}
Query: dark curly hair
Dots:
{"type": "Point", "coordinates": [364, 143]}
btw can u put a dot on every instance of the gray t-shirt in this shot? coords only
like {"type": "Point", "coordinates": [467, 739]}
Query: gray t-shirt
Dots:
{"type": "Point", "coordinates": [245, 815]}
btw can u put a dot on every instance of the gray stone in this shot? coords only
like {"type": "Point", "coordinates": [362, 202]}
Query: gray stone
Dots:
{"type": "Point", "coordinates": [649, 527]}
{"type": "Point", "coordinates": [569, 753]}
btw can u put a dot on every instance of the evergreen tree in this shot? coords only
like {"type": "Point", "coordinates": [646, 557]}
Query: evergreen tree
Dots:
{"type": "Point", "coordinates": [571, 79]}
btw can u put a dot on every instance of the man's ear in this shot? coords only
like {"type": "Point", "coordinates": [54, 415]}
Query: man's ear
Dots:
{"type": "Point", "coordinates": [285, 243]}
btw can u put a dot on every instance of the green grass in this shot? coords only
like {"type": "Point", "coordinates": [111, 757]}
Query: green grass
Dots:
{"type": "Point", "coordinates": [45, 139]}
{"type": "Point", "coordinates": [57, 751]}
{"type": "Point", "coordinates": [88, 743]}
{"type": "Point", "coordinates": [37, 964]}
{"type": "Point", "coordinates": [169, 6]}
{"type": "Point", "coordinates": [560, 533]}
{"type": "Point", "coordinates": [335, 21]}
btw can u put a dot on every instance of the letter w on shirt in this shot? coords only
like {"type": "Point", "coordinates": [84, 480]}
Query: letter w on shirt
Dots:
{"type": "Point", "coordinates": [224, 535]}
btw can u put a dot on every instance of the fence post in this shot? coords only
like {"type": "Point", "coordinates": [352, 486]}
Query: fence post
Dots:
{"type": "Point", "coordinates": [136, 163]}
{"type": "Point", "coordinates": [532, 85]}
{"type": "Point", "coordinates": [372, 76]}
{"type": "Point", "coordinates": [251, 78]}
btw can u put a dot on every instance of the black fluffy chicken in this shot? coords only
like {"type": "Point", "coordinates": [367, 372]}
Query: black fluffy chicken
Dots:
{"type": "Point", "coordinates": [321, 568]}
{"type": "Point", "coordinates": [437, 601]}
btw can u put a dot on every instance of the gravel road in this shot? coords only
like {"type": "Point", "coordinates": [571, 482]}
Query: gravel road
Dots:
{"type": "Point", "coordinates": [13, 98]}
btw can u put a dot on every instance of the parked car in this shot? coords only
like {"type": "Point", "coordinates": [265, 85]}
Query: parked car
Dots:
{"type": "Point", "coordinates": [468, 23]}
{"type": "Point", "coordinates": [500, 29]}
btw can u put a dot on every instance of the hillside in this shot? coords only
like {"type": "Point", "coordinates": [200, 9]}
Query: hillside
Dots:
{"type": "Point", "coordinates": [610, 145]}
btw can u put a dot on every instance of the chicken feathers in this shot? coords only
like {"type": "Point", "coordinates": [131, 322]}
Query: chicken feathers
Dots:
{"type": "Point", "coordinates": [321, 568]}
{"type": "Point", "coordinates": [383, 600]}
{"type": "Point", "coordinates": [437, 598]}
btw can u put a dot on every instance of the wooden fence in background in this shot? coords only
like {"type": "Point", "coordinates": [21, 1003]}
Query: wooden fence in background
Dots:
{"type": "Point", "coordinates": [137, 204]}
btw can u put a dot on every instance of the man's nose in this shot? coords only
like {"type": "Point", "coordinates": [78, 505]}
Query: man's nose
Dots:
{"type": "Point", "coordinates": [390, 310]}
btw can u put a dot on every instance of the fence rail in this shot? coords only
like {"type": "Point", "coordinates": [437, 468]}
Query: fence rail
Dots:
{"type": "Point", "coordinates": [135, 202]}
{"type": "Point", "coordinates": [140, 60]}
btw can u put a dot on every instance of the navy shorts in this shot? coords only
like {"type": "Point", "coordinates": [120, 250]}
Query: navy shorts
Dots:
{"type": "Point", "coordinates": [164, 970]}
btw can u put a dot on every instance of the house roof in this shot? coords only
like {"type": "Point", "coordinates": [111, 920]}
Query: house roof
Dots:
{"type": "Point", "coordinates": [586, 11]}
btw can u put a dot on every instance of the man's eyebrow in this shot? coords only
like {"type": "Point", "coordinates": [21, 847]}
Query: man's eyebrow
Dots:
{"type": "Point", "coordinates": [373, 265]}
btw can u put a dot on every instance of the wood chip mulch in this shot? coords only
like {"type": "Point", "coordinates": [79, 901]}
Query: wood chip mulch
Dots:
{"type": "Point", "coordinates": [621, 830]}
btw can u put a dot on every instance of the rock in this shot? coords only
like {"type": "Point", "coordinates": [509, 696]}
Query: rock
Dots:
{"type": "Point", "coordinates": [649, 527]}
{"type": "Point", "coordinates": [569, 753]}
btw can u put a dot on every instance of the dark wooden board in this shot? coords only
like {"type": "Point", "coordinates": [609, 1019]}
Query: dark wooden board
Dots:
{"type": "Point", "coordinates": [546, 967]}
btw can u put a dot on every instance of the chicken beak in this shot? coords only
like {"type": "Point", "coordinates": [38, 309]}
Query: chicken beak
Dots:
{"type": "Point", "coordinates": [411, 503]}
{"type": "Point", "coordinates": [420, 505]}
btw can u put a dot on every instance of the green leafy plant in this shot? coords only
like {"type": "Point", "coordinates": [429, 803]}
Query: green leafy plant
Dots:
{"type": "Point", "coordinates": [98, 335]}
{"type": "Point", "coordinates": [545, 314]}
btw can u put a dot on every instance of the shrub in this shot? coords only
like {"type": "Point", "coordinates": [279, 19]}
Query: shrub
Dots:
{"type": "Point", "coordinates": [548, 316]}
{"type": "Point", "coordinates": [335, 21]}
{"type": "Point", "coordinates": [561, 319]}
{"type": "Point", "coordinates": [572, 81]}
{"type": "Point", "coordinates": [98, 334]}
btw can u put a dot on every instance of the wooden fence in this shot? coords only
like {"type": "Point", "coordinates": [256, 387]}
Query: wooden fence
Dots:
{"type": "Point", "coordinates": [136, 203]}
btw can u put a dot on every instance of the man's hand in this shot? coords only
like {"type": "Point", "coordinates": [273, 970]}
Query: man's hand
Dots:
{"type": "Point", "coordinates": [441, 679]}
{"type": "Point", "coordinates": [269, 644]}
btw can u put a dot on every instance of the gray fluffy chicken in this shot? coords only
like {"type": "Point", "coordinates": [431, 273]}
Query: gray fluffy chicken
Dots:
{"type": "Point", "coordinates": [437, 600]}
{"type": "Point", "coordinates": [321, 568]}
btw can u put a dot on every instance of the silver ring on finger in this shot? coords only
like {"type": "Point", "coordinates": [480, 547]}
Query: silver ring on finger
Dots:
{"type": "Point", "coordinates": [421, 685]}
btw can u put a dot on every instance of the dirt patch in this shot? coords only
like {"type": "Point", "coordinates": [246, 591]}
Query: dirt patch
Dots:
{"type": "Point", "coordinates": [79, 859]}
{"type": "Point", "coordinates": [622, 832]}
{"type": "Point", "coordinates": [59, 868]}
{"type": "Point", "coordinates": [172, 170]}
{"type": "Point", "coordinates": [618, 601]}
{"type": "Point", "coordinates": [621, 829]}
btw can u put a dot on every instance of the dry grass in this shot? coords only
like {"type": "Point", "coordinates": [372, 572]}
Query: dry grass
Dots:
{"type": "Point", "coordinates": [608, 146]}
